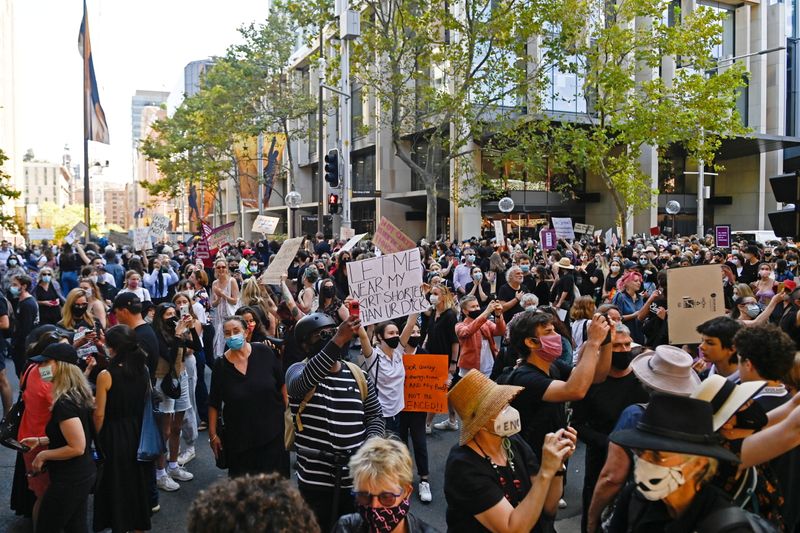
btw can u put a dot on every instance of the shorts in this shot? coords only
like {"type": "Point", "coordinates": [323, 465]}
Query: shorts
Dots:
{"type": "Point", "coordinates": [169, 405]}
{"type": "Point", "coordinates": [40, 482]}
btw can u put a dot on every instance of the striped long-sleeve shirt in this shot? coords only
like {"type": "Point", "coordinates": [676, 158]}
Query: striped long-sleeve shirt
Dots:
{"type": "Point", "coordinates": [335, 420]}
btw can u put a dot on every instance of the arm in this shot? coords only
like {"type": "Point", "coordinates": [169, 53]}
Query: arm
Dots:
{"type": "Point", "coordinates": [612, 479]}
{"type": "Point", "coordinates": [4, 323]}
{"type": "Point", "coordinates": [101, 395]}
{"type": "Point", "coordinates": [771, 442]}
{"type": "Point", "coordinates": [72, 429]}
{"type": "Point", "coordinates": [603, 364]}
{"type": "Point", "coordinates": [642, 314]}
{"type": "Point", "coordinates": [408, 329]}
{"type": "Point", "coordinates": [294, 307]}
{"type": "Point", "coordinates": [464, 331]}
{"type": "Point", "coordinates": [301, 378]}
{"type": "Point", "coordinates": [172, 277]}
{"type": "Point", "coordinates": [213, 438]}
{"type": "Point", "coordinates": [780, 413]}
{"type": "Point", "coordinates": [82, 254]}
{"type": "Point", "coordinates": [366, 346]}
{"type": "Point", "coordinates": [766, 313]}
{"type": "Point", "coordinates": [374, 425]}
{"type": "Point", "coordinates": [234, 297]}
{"type": "Point", "coordinates": [582, 376]}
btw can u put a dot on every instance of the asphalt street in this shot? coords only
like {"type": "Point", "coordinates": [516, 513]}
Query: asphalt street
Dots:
{"type": "Point", "coordinates": [174, 506]}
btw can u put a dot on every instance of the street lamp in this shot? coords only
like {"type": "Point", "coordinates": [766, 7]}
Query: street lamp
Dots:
{"type": "Point", "coordinates": [293, 200]}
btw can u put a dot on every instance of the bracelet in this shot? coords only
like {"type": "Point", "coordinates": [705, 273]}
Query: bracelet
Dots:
{"type": "Point", "coordinates": [212, 439]}
{"type": "Point", "coordinates": [38, 441]}
{"type": "Point", "coordinates": [562, 472]}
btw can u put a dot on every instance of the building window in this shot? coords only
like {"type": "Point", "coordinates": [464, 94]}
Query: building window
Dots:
{"type": "Point", "coordinates": [363, 175]}
{"type": "Point", "coordinates": [362, 217]}
{"type": "Point", "coordinates": [357, 112]}
{"type": "Point", "coordinates": [726, 47]}
{"type": "Point", "coordinates": [419, 155]}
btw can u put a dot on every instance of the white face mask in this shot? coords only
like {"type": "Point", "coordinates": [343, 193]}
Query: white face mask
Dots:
{"type": "Point", "coordinates": [46, 373]}
{"type": "Point", "coordinates": [434, 299]}
{"type": "Point", "coordinates": [656, 482]}
{"type": "Point", "coordinates": [614, 268]}
{"type": "Point", "coordinates": [507, 422]}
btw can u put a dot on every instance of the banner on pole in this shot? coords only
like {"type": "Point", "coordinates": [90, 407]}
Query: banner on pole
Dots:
{"type": "Point", "coordinates": [425, 388]}
{"type": "Point", "coordinates": [281, 262]}
{"type": "Point", "coordinates": [563, 227]}
{"type": "Point", "coordinates": [387, 287]}
{"type": "Point", "coordinates": [264, 224]}
{"type": "Point", "coordinates": [220, 235]}
{"type": "Point", "coordinates": [390, 239]}
{"type": "Point", "coordinates": [202, 251]}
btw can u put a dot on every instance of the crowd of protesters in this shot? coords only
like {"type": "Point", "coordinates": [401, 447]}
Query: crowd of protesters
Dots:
{"type": "Point", "coordinates": [545, 350]}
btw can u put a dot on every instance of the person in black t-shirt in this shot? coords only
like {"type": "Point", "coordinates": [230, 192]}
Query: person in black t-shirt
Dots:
{"type": "Point", "coordinates": [128, 310]}
{"type": "Point", "coordinates": [511, 293]}
{"type": "Point", "coordinates": [27, 318]}
{"type": "Point", "coordinates": [790, 320]}
{"type": "Point", "coordinates": [439, 337]}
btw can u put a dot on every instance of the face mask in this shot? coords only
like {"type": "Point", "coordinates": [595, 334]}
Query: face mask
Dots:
{"type": "Point", "coordinates": [14, 291]}
{"type": "Point", "coordinates": [383, 519]}
{"type": "Point", "coordinates": [643, 261]}
{"type": "Point", "coordinates": [434, 299]}
{"type": "Point", "coordinates": [12, 262]}
{"type": "Point", "coordinates": [614, 268]}
{"type": "Point", "coordinates": [253, 268]}
{"type": "Point", "coordinates": [792, 263]}
{"type": "Point", "coordinates": [507, 423]}
{"type": "Point", "coordinates": [621, 360]}
{"type": "Point", "coordinates": [148, 319]}
{"type": "Point", "coordinates": [531, 308]}
{"type": "Point", "coordinates": [392, 342]}
{"type": "Point", "coordinates": [88, 292]}
{"type": "Point", "coordinates": [477, 276]}
{"type": "Point", "coordinates": [172, 322]}
{"type": "Point", "coordinates": [551, 347]}
{"type": "Point", "coordinates": [471, 258]}
{"type": "Point", "coordinates": [656, 482]}
{"type": "Point", "coordinates": [474, 314]}
{"type": "Point", "coordinates": [47, 279]}
{"type": "Point", "coordinates": [235, 342]}
{"type": "Point", "coordinates": [414, 341]}
{"type": "Point", "coordinates": [78, 310]}
{"type": "Point", "coordinates": [753, 310]}
{"type": "Point", "coordinates": [326, 291]}
{"type": "Point", "coordinates": [46, 373]}
{"type": "Point", "coordinates": [764, 273]}
{"type": "Point", "coordinates": [93, 278]}
{"type": "Point", "coordinates": [525, 268]}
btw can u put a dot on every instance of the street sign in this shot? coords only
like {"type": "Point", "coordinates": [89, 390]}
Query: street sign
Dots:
{"type": "Point", "coordinates": [722, 235]}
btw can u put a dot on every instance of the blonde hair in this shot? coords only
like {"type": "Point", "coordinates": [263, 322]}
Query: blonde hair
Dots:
{"type": "Point", "coordinates": [69, 382]}
{"type": "Point", "coordinates": [96, 294]}
{"type": "Point", "coordinates": [380, 459]}
{"type": "Point", "coordinates": [445, 295]}
{"type": "Point", "coordinates": [67, 320]}
{"type": "Point", "coordinates": [582, 308]}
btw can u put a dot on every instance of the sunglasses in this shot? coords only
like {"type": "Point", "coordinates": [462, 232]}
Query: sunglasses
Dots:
{"type": "Point", "coordinates": [220, 268]}
{"type": "Point", "coordinates": [387, 499]}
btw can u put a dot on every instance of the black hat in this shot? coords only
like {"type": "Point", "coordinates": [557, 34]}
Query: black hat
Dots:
{"type": "Point", "coordinates": [38, 332]}
{"type": "Point", "coordinates": [676, 424]}
{"type": "Point", "coordinates": [129, 301]}
{"type": "Point", "coordinates": [59, 351]}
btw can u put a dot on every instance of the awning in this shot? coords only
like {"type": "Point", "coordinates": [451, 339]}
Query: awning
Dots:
{"type": "Point", "coordinates": [757, 143]}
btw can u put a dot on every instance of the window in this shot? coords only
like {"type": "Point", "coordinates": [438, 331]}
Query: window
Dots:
{"type": "Point", "coordinates": [420, 156]}
{"type": "Point", "coordinates": [356, 112]}
{"type": "Point", "coordinates": [726, 47]}
{"type": "Point", "coordinates": [362, 217]}
{"type": "Point", "coordinates": [363, 177]}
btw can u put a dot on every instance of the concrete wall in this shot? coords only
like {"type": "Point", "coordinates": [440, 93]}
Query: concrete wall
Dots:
{"type": "Point", "coordinates": [740, 179]}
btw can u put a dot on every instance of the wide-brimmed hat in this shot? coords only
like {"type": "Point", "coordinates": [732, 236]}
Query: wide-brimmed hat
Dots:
{"type": "Point", "coordinates": [675, 424]}
{"type": "Point", "coordinates": [564, 262]}
{"type": "Point", "coordinates": [725, 396]}
{"type": "Point", "coordinates": [477, 399]}
{"type": "Point", "coordinates": [666, 369]}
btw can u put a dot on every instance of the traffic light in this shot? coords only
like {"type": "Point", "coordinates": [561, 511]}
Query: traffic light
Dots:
{"type": "Point", "coordinates": [332, 168]}
{"type": "Point", "coordinates": [786, 222]}
{"type": "Point", "coordinates": [333, 203]}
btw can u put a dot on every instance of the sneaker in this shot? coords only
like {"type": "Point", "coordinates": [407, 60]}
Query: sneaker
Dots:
{"type": "Point", "coordinates": [179, 474]}
{"type": "Point", "coordinates": [562, 503]}
{"type": "Point", "coordinates": [446, 425]}
{"type": "Point", "coordinates": [157, 508]}
{"type": "Point", "coordinates": [202, 426]}
{"type": "Point", "coordinates": [166, 483]}
{"type": "Point", "coordinates": [186, 455]}
{"type": "Point", "coordinates": [428, 429]}
{"type": "Point", "coordinates": [425, 495]}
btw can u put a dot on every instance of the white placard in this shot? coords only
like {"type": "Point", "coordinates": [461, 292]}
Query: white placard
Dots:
{"type": "Point", "coordinates": [349, 245]}
{"type": "Point", "coordinates": [609, 236]}
{"type": "Point", "coordinates": [159, 225]}
{"type": "Point", "coordinates": [695, 295]}
{"type": "Point", "coordinates": [387, 287]}
{"type": "Point", "coordinates": [141, 239]}
{"type": "Point", "coordinates": [589, 229]}
{"type": "Point", "coordinates": [347, 233]}
{"type": "Point", "coordinates": [581, 228]}
{"type": "Point", "coordinates": [266, 225]}
{"type": "Point", "coordinates": [598, 233]}
{"type": "Point", "coordinates": [499, 235]}
{"type": "Point", "coordinates": [281, 262]}
{"type": "Point", "coordinates": [563, 227]}
{"type": "Point", "coordinates": [41, 234]}
{"type": "Point", "coordinates": [75, 233]}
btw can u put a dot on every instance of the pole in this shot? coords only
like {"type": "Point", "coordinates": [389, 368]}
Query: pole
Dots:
{"type": "Point", "coordinates": [260, 157]}
{"type": "Point", "coordinates": [346, 106]}
{"type": "Point", "coordinates": [86, 192]}
{"type": "Point", "coordinates": [701, 187]}
{"type": "Point", "coordinates": [320, 140]}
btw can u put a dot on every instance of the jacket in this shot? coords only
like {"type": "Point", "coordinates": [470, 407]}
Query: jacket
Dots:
{"type": "Point", "coordinates": [471, 332]}
{"type": "Point", "coordinates": [353, 523]}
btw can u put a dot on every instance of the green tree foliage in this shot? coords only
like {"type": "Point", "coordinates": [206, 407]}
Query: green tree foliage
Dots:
{"type": "Point", "coordinates": [7, 193]}
{"type": "Point", "coordinates": [62, 220]}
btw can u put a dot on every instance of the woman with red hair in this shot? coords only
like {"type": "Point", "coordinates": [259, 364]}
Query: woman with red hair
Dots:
{"type": "Point", "coordinates": [630, 302]}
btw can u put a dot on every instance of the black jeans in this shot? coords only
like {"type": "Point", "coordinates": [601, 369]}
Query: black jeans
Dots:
{"type": "Point", "coordinates": [320, 500]}
{"type": "Point", "coordinates": [271, 457]}
{"type": "Point", "coordinates": [414, 423]}
{"type": "Point", "coordinates": [65, 507]}
{"type": "Point", "coordinates": [200, 389]}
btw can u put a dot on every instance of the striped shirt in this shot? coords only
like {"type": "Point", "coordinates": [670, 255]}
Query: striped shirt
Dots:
{"type": "Point", "coordinates": [335, 420]}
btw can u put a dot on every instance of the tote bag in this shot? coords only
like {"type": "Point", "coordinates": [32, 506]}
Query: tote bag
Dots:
{"type": "Point", "coordinates": [151, 444]}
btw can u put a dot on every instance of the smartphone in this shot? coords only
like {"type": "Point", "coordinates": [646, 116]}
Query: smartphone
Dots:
{"type": "Point", "coordinates": [355, 309]}
{"type": "Point", "coordinates": [608, 337]}
{"type": "Point", "coordinates": [184, 310]}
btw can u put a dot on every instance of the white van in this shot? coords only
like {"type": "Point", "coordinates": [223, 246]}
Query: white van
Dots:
{"type": "Point", "coordinates": [759, 236]}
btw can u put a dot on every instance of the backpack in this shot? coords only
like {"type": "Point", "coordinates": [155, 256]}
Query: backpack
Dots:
{"type": "Point", "coordinates": [735, 519]}
{"type": "Point", "coordinates": [291, 421]}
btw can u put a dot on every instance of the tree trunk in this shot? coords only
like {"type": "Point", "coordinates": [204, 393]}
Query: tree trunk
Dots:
{"type": "Point", "coordinates": [431, 215]}
{"type": "Point", "coordinates": [620, 205]}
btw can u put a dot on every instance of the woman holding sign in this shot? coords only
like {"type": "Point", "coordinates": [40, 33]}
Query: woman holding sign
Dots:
{"type": "Point", "coordinates": [385, 366]}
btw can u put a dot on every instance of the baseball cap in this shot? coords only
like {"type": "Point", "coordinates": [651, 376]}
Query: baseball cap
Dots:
{"type": "Point", "coordinates": [129, 301]}
{"type": "Point", "coordinates": [59, 351]}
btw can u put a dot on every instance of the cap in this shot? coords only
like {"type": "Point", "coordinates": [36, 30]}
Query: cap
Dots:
{"type": "Point", "coordinates": [129, 301]}
{"type": "Point", "coordinates": [59, 351]}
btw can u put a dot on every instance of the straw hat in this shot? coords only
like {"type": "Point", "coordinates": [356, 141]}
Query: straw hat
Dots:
{"type": "Point", "coordinates": [667, 369]}
{"type": "Point", "coordinates": [477, 399]}
{"type": "Point", "coordinates": [564, 262]}
{"type": "Point", "coordinates": [725, 396]}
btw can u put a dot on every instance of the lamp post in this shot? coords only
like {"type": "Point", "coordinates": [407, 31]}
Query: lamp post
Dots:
{"type": "Point", "coordinates": [293, 200]}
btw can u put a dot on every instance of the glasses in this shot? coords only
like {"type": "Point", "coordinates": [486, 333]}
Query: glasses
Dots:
{"type": "Point", "coordinates": [387, 499]}
{"type": "Point", "coordinates": [220, 268]}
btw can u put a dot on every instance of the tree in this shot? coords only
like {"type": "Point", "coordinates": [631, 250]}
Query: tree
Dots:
{"type": "Point", "coordinates": [29, 156]}
{"type": "Point", "coordinates": [7, 192]}
{"type": "Point", "coordinates": [62, 220]}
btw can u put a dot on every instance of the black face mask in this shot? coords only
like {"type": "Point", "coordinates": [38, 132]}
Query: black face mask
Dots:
{"type": "Point", "coordinates": [414, 341]}
{"type": "Point", "coordinates": [172, 322]}
{"type": "Point", "coordinates": [475, 314]}
{"type": "Point", "coordinates": [393, 342]}
{"type": "Point", "coordinates": [326, 292]}
{"type": "Point", "coordinates": [621, 360]}
{"type": "Point", "coordinates": [78, 310]}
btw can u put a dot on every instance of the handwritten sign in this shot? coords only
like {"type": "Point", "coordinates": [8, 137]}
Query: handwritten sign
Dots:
{"type": "Point", "coordinates": [581, 228]}
{"type": "Point", "coordinates": [390, 239]}
{"type": "Point", "coordinates": [159, 225]}
{"type": "Point", "coordinates": [264, 224]}
{"type": "Point", "coordinates": [589, 229]}
{"type": "Point", "coordinates": [723, 235]}
{"type": "Point", "coordinates": [121, 238]}
{"type": "Point", "coordinates": [598, 233]}
{"type": "Point", "coordinates": [388, 286]}
{"type": "Point", "coordinates": [695, 295]}
{"type": "Point", "coordinates": [548, 239]}
{"type": "Point", "coordinates": [36, 234]}
{"type": "Point", "coordinates": [563, 227]}
{"type": "Point", "coordinates": [220, 235]}
{"type": "Point", "coordinates": [141, 239]}
{"type": "Point", "coordinates": [75, 233]}
{"type": "Point", "coordinates": [499, 235]}
{"type": "Point", "coordinates": [347, 233]}
{"type": "Point", "coordinates": [425, 387]}
{"type": "Point", "coordinates": [281, 262]}
{"type": "Point", "coordinates": [352, 242]}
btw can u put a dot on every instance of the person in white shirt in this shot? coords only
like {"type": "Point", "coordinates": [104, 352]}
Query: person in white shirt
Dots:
{"type": "Point", "coordinates": [133, 283]}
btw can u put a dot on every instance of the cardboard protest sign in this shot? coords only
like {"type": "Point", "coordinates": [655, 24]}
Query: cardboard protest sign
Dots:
{"type": "Point", "coordinates": [589, 229]}
{"type": "Point", "coordinates": [35, 234]}
{"type": "Point", "coordinates": [547, 237]}
{"type": "Point", "coordinates": [75, 233]}
{"type": "Point", "coordinates": [425, 386]}
{"type": "Point", "coordinates": [159, 225]}
{"type": "Point", "coordinates": [581, 228]}
{"type": "Point", "coordinates": [695, 295]}
{"type": "Point", "coordinates": [598, 233]}
{"type": "Point", "coordinates": [654, 231]}
{"type": "Point", "coordinates": [220, 235]}
{"type": "Point", "coordinates": [346, 233]}
{"type": "Point", "coordinates": [722, 234]}
{"type": "Point", "coordinates": [120, 237]}
{"type": "Point", "coordinates": [388, 286]}
{"type": "Point", "coordinates": [349, 245]}
{"type": "Point", "coordinates": [499, 236]}
{"type": "Point", "coordinates": [390, 239]}
{"type": "Point", "coordinates": [264, 224]}
{"type": "Point", "coordinates": [609, 235]}
{"type": "Point", "coordinates": [141, 239]}
{"type": "Point", "coordinates": [281, 262]}
{"type": "Point", "coordinates": [563, 227]}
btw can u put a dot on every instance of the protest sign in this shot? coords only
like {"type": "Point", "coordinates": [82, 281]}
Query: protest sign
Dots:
{"type": "Point", "coordinates": [387, 287]}
{"type": "Point", "coordinates": [609, 235]}
{"type": "Point", "coordinates": [499, 236]}
{"type": "Point", "coordinates": [722, 233]}
{"type": "Point", "coordinates": [425, 388]}
{"type": "Point", "coordinates": [220, 235]}
{"type": "Point", "coordinates": [347, 233]}
{"type": "Point", "coordinates": [121, 238]}
{"type": "Point", "coordinates": [581, 228]}
{"type": "Point", "coordinates": [598, 233]}
{"type": "Point", "coordinates": [695, 295]}
{"type": "Point", "coordinates": [264, 224]}
{"type": "Point", "coordinates": [589, 229]}
{"type": "Point", "coordinates": [547, 237]}
{"type": "Point", "coordinates": [563, 227]}
{"type": "Point", "coordinates": [281, 262]}
{"type": "Point", "coordinates": [40, 234]}
{"type": "Point", "coordinates": [654, 231]}
{"type": "Point", "coordinates": [352, 242]}
{"type": "Point", "coordinates": [159, 225]}
{"type": "Point", "coordinates": [202, 251]}
{"type": "Point", "coordinates": [75, 233]}
{"type": "Point", "coordinates": [141, 239]}
{"type": "Point", "coordinates": [390, 239]}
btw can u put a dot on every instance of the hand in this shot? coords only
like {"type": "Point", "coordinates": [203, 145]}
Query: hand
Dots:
{"type": "Point", "coordinates": [555, 450]}
{"type": "Point", "coordinates": [284, 278]}
{"type": "Point", "coordinates": [519, 295]}
{"type": "Point", "coordinates": [498, 308]}
{"type": "Point", "coordinates": [572, 434]}
{"type": "Point", "coordinates": [38, 462]}
{"type": "Point", "coordinates": [217, 291]}
{"type": "Point", "coordinates": [347, 330]}
{"type": "Point", "coordinates": [599, 328]}
{"type": "Point", "coordinates": [700, 365]}
{"type": "Point", "coordinates": [91, 362]}
{"type": "Point", "coordinates": [661, 313]}
{"type": "Point", "coordinates": [216, 446]}
{"type": "Point", "coordinates": [30, 442]}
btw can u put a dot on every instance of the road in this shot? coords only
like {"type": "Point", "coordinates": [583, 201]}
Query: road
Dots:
{"type": "Point", "coordinates": [174, 506]}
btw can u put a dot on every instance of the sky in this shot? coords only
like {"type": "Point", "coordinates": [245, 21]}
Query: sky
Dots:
{"type": "Point", "coordinates": [136, 45]}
